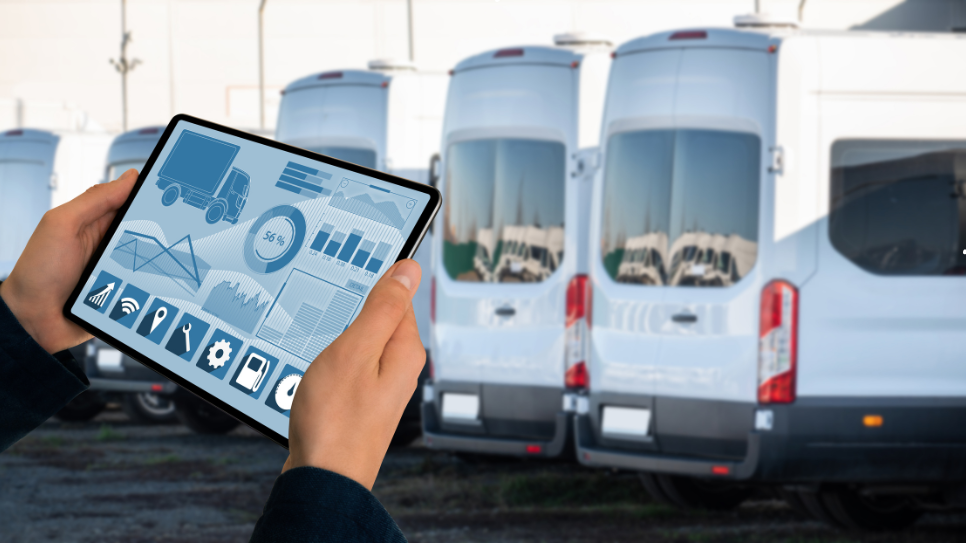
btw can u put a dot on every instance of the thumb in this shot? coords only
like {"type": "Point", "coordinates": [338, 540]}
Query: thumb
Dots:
{"type": "Point", "coordinates": [386, 306]}
{"type": "Point", "coordinates": [102, 199]}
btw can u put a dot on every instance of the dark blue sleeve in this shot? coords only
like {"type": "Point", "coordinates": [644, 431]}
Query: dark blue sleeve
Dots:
{"type": "Point", "coordinates": [312, 505]}
{"type": "Point", "coordinates": [33, 384]}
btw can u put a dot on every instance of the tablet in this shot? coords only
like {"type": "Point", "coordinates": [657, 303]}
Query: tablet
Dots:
{"type": "Point", "coordinates": [237, 260]}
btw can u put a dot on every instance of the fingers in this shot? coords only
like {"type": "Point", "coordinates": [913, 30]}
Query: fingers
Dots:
{"type": "Point", "coordinates": [386, 306]}
{"type": "Point", "coordinates": [100, 200]}
{"type": "Point", "coordinates": [404, 355]}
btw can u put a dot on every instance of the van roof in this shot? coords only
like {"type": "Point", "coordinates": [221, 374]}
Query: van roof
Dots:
{"type": "Point", "coordinates": [755, 38]}
{"type": "Point", "coordinates": [526, 54]}
{"type": "Point", "coordinates": [339, 77]}
{"type": "Point", "coordinates": [27, 133]}
{"type": "Point", "coordinates": [144, 133]}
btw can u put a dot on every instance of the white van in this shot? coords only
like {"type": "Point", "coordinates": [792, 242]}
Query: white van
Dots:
{"type": "Point", "coordinates": [39, 170]}
{"type": "Point", "coordinates": [387, 118]}
{"type": "Point", "coordinates": [510, 247]}
{"type": "Point", "coordinates": [778, 245]}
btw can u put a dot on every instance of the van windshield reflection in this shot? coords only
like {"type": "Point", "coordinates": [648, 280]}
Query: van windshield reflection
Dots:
{"type": "Point", "coordinates": [504, 210]}
{"type": "Point", "coordinates": [356, 155]}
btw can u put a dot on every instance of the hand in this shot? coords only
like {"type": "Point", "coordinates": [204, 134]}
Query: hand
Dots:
{"type": "Point", "coordinates": [52, 263]}
{"type": "Point", "coordinates": [354, 393]}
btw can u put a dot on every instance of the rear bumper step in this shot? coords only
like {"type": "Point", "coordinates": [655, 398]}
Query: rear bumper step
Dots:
{"type": "Point", "coordinates": [434, 438]}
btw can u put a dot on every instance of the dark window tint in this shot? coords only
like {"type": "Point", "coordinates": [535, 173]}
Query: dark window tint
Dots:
{"type": "Point", "coordinates": [355, 155]}
{"type": "Point", "coordinates": [680, 207]}
{"type": "Point", "coordinates": [504, 210]}
{"type": "Point", "coordinates": [899, 208]}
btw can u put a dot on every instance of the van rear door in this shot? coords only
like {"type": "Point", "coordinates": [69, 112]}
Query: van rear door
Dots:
{"type": "Point", "coordinates": [26, 164]}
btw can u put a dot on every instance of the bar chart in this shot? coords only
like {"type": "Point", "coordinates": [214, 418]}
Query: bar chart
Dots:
{"type": "Point", "coordinates": [351, 248]}
{"type": "Point", "coordinates": [304, 181]}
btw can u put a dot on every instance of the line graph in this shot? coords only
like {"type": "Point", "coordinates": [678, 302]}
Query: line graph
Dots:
{"type": "Point", "coordinates": [229, 303]}
{"type": "Point", "coordinates": [373, 203]}
{"type": "Point", "coordinates": [141, 252]}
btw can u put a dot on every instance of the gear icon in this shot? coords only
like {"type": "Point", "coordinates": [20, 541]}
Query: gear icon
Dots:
{"type": "Point", "coordinates": [219, 353]}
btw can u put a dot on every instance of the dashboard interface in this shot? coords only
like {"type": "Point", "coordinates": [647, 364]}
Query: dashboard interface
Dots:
{"type": "Point", "coordinates": [238, 263]}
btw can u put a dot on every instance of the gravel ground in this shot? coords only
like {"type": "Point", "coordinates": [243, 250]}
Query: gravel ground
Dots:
{"type": "Point", "coordinates": [109, 480]}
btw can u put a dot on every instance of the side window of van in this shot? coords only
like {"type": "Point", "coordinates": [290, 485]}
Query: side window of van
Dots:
{"type": "Point", "coordinates": [686, 198]}
{"type": "Point", "coordinates": [506, 195]}
{"type": "Point", "coordinates": [899, 207]}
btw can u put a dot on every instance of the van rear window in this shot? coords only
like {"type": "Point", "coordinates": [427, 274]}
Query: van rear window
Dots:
{"type": "Point", "coordinates": [680, 207]}
{"type": "Point", "coordinates": [899, 207]}
{"type": "Point", "coordinates": [503, 220]}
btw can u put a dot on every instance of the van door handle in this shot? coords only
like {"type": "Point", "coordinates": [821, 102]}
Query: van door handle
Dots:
{"type": "Point", "coordinates": [506, 311]}
{"type": "Point", "coordinates": [684, 317]}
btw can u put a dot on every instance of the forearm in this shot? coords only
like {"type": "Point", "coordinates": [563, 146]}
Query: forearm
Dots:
{"type": "Point", "coordinates": [312, 505]}
{"type": "Point", "coordinates": [34, 384]}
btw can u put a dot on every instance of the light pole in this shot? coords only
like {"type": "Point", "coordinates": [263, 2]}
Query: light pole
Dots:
{"type": "Point", "coordinates": [409, 10]}
{"type": "Point", "coordinates": [261, 66]}
{"type": "Point", "coordinates": [123, 65]}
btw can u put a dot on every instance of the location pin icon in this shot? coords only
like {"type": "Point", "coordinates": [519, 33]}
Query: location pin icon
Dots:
{"type": "Point", "coordinates": [159, 316]}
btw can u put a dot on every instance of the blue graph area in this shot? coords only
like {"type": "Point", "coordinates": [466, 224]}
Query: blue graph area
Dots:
{"type": "Point", "coordinates": [308, 314]}
{"type": "Point", "coordinates": [373, 203]}
{"type": "Point", "coordinates": [144, 253]}
{"type": "Point", "coordinates": [303, 180]}
{"type": "Point", "coordinates": [232, 306]}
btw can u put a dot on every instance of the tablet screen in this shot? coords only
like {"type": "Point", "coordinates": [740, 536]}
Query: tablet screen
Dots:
{"type": "Point", "coordinates": [238, 263]}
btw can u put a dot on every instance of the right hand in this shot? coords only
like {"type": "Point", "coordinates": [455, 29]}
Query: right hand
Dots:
{"type": "Point", "coordinates": [352, 396]}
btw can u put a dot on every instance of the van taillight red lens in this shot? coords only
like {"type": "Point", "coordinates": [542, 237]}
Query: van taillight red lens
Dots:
{"type": "Point", "coordinates": [777, 343]}
{"type": "Point", "coordinates": [576, 299]}
{"type": "Point", "coordinates": [577, 376]}
{"type": "Point", "coordinates": [331, 75]}
{"type": "Point", "coordinates": [689, 35]}
{"type": "Point", "coordinates": [432, 300]}
{"type": "Point", "coordinates": [502, 53]}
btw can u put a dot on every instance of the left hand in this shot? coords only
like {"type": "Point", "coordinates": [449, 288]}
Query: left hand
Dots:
{"type": "Point", "coordinates": [52, 263]}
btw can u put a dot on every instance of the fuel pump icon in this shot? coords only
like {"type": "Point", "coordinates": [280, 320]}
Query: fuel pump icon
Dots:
{"type": "Point", "coordinates": [253, 372]}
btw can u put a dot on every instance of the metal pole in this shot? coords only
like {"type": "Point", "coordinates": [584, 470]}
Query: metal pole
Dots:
{"type": "Point", "coordinates": [261, 66]}
{"type": "Point", "coordinates": [409, 9]}
{"type": "Point", "coordinates": [123, 65]}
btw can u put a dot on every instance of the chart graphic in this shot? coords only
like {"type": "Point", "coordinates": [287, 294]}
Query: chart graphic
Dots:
{"type": "Point", "coordinates": [144, 253]}
{"type": "Point", "coordinates": [308, 314]}
{"type": "Point", "coordinates": [372, 202]}
{"type": "Point", "coordinates": [274, 239]}
{"type": "Point", "coordinates": [229, 304]}
{"type": "Point", "coordinates": [351, 248]}
{"type": "Point", "coordinates": [304, 181]}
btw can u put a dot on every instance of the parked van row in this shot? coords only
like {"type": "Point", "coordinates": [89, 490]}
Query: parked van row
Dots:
{"type": "Point", "coordinates": [756, 279]}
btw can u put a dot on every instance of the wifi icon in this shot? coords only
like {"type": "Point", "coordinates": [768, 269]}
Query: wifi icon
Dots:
{"type": "Point", "coordinates": [127, 309]}
{"type": "Point", "coordinates": [129, 305]}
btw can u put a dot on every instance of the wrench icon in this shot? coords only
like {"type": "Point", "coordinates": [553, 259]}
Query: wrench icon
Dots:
{"type": "Point", "coordinates": [187, 338]}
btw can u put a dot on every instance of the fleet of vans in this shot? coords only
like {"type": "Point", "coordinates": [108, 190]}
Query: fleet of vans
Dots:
{"type": "Point", "coordinates": [387, 118]}
{"type": "Point", "coordinates": [509, 248]}
{"type": "Point", "coordinates": [778, 244]}
{"type": "Point", "coordinates": [721, 258]}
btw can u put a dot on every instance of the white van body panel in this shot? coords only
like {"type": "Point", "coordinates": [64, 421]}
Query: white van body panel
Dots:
{"type": "Point", "coordinates": [397, 115]}
{"type": "Point", "coordinates": [131, 149]}
{"type": "Point", "coordinates": [26, 186]}
{"type": "Point", "coordinates": [536, 97]}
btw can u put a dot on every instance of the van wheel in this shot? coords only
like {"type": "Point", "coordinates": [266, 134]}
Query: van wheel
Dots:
{"type": "Point", "coordinates": [653, 488]}
{"type": "Point", "coordinates": [201, 417]}
{"type": "Point", "coordinates": [816, 508]}
{"type": "Point", "coordinates": [84, 407]}
{"type": "Point", "coordinates": [858, 512]}
{"type": "Point", "coordinates": [795, 502]}
{"type": "Point", "coordinates": [148, 408]}
{"type": "Point", "coordinates": [170, 195]}
{"type": "Point", "coordinates": [693, 493]}
{"type": "Point", "coordinates": [215, 212]}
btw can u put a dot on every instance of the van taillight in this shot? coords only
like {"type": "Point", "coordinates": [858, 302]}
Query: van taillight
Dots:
{"type": "Point", "coordinates": [777, 343]}
{"type": "Point", "coordinates": [576, 341]}
{"type": "Point", "coordinates": [432, 300]}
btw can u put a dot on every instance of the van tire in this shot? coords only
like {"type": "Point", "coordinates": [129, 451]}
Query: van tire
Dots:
{"type": "Point", "coordinates": [857, 512]}
{"type": "Point", "coordinates": [694, 493]}
{"type": "Point", "coordinates": [816, 508]}
{"type": "Point", "coordinates": [793, 500]}
{"type": "Point", "coordinates": [201, 417]}
{"type": "Point", "coordinates": [148, 408]}
{"type": "Point", "coordinates": [654, 490]}
{"type": "Point", "coordinates": [84, 407]}
{"type": "Point", "coordinates": [170, 195]}
{"type": "Point", "coordinates": [215, 212]}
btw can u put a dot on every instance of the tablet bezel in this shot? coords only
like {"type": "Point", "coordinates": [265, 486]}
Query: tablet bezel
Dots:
{"type": "Point", "coordinates": [408, 249]}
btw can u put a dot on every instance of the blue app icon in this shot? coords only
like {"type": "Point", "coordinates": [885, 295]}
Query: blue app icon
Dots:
{"type": "Point", "coordinates": [157, 320]}
{"type": "Point", "coordinates": [187, 336]}
{"type": "Point", "coordinates": [103, 291]}
{"type": "Point", "coordinates": [282, 394]}
{"type": "Point", "coordinates": [129, 305]}
{"type": "Point", "coordinates": [219, 352]}
{"type": "Point", "coordinates": [254, 370]}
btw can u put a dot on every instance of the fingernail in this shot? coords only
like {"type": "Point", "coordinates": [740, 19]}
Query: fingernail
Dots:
{"type": "Point", "coordinates": [407, 273]}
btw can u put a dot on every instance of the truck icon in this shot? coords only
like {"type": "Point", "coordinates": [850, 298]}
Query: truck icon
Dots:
{"type": "Point", "coordinates": [195, 170]}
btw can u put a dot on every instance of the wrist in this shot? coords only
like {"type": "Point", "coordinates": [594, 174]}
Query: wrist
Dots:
{"type": "Point", "coordinates": [31, 323]}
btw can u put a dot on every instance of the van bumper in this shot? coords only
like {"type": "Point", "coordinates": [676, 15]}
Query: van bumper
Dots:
{"type": "Point", "coordinates": [475, 440]}
{"type": "Point", "coordinates": [815, 440]}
